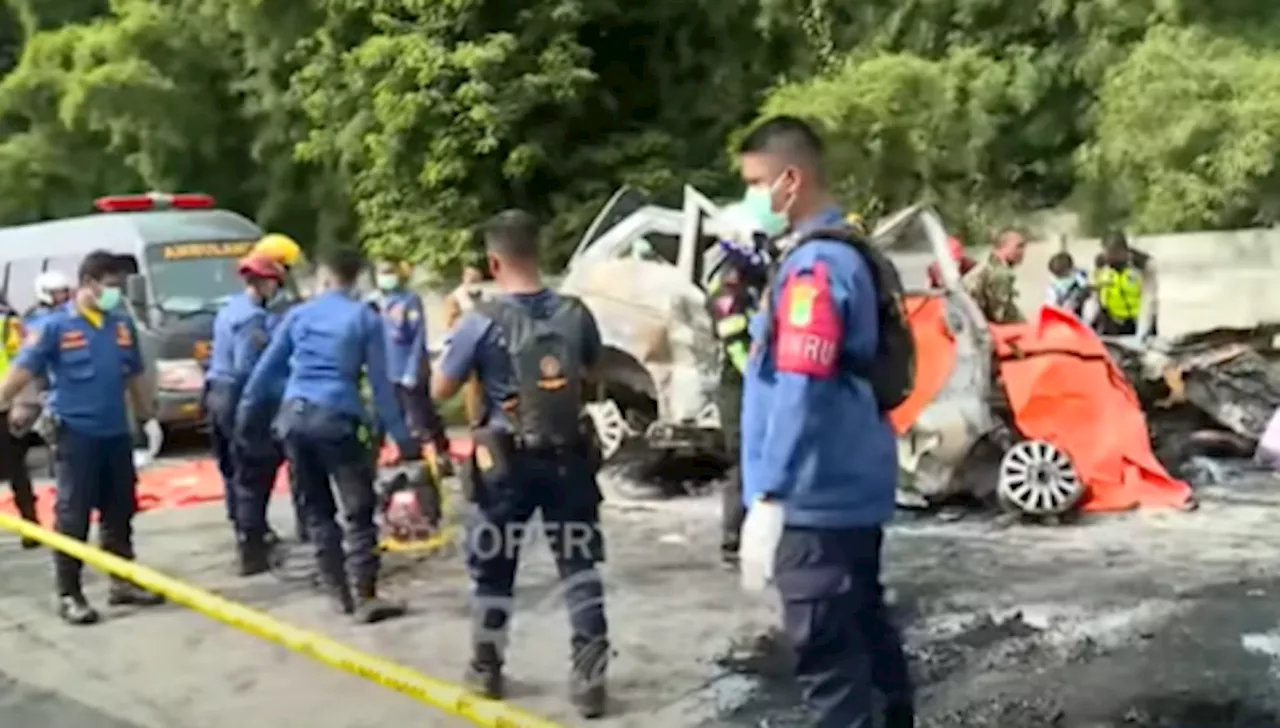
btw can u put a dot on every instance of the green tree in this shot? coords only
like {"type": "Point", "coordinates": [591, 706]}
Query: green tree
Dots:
{"type": "Point", "coordinates": [1187, 135]}
{"type": "Point", "coordinates": [901, 129]}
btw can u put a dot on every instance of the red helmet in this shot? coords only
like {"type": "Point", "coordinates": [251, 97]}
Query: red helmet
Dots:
{"type": "Point", "coordinates": [260, 266]}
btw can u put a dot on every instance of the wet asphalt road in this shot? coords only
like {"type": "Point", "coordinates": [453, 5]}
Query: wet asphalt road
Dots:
{"type": "Point", "coordinates": [1163, 620]}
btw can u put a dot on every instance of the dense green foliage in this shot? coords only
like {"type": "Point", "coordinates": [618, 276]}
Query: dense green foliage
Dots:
{"type": "Point", "coordinates": [402, 123]}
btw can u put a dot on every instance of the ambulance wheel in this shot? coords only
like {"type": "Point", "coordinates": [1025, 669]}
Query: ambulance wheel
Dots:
{"type": "Point", "coordinates": [1038, 479]}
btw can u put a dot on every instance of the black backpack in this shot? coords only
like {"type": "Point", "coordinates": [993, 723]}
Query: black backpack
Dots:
{"type": "Point", "coordinates": [892, 372]}
{"type": "Point", "coordinates": [547, 358]}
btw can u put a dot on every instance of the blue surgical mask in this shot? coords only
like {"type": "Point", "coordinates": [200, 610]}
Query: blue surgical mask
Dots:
{"type": "Point", "coordinates": [387, 281]}
{"type": "Point", "coordinates": [758, 202]}
{"type": "Point", "coordinates": [108, 299]}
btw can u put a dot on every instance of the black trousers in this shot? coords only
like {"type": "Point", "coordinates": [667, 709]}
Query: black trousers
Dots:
{"type": "Point", "coordinates": [834, 613]}
{"type": "Point", "coordinates": [327, 447]}
{"type": "Point", "coordinates": [563, 489]}
{"type": "Point", "coordinates": [93, 473]}
{"type": "Point", "coordinates": [13, 468]}
{"type": "Point", "coordinates": [732, 512]}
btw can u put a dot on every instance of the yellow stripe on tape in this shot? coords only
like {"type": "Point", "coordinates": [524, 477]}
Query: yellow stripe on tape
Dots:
{"type": "Point", "coordinates": [450, 698]}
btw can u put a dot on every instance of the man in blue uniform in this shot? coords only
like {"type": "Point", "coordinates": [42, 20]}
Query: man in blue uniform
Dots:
{"type": "Point", "coordinates": [408, 366]}
{"type": "Point", "coordinates": [818, 454]}
{"type": "Point", "coordinates": [530, 349]}
{"type": "Point", "coordinates": [323, 346]}
{"type": "Point", "coordinates": [241, 332]}
{"type": "Point", "coordinates": [89, 352]}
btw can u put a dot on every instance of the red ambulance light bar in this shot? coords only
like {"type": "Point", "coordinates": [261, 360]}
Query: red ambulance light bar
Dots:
{"type": "Point", "coordinates": [154, 201]}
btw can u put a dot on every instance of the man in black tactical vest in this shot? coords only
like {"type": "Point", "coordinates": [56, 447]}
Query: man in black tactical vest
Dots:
{"type": "Point", "coordinates": [530, 348]}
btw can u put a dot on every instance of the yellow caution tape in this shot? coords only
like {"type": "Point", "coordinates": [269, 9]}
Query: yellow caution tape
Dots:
{"type": "Point", "coordinates": [453, 699]}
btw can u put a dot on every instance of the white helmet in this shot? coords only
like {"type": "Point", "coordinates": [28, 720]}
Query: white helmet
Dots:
{"type": "Point", "coordinates": [48, 282]}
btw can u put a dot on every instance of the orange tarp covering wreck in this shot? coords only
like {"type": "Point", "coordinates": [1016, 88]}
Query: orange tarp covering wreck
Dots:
{"type": "Point", "coordinates": [1063, 388]}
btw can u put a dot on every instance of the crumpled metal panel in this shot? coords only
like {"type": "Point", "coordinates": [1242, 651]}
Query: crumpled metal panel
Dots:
{"type": "Point", "coordinates": [931, 451]}
{"type": "Point", "coordinates": [647, 310]}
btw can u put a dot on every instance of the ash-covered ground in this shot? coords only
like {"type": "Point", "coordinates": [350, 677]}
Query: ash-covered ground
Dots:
{"type": "Point", "coordinates": [1144, 620]}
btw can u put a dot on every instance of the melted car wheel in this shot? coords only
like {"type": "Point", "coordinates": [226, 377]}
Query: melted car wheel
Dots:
{"type": "Point", "coordinates": [1038, 479]}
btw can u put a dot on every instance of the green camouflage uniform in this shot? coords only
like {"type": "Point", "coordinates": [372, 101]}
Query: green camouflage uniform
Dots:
{"type": "Point", "coordinates": [994, 288]}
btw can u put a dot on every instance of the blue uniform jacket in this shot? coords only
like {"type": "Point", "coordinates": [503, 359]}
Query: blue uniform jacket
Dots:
{"type": "Point", "coordinates": [241, 332]}
{"type": "Point", "coordinates": [88, 368]}
{"type": "Point", "coordinates": [820, 444]}
{"type": "Point", "coordinates": [476, 346]}
{"type": "Point", "coordinates": [406, 336]}
{"type": "Point", "coordinates": [319, 350]}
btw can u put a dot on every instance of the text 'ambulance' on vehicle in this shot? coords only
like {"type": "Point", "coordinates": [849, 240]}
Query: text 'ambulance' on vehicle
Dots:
{"type": "Point", "coordinates": [182, 252]}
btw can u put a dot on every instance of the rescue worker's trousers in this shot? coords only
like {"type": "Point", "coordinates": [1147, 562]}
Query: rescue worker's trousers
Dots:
{"type": "Point", "coordinates": [561, 487]}
{"type": "Point", "coordinates": [93, 473]}
{"type": "Point", "coordinates": [422, 417]}
{"type": "Point", "coordinates": [13, 468]}
{"type": "Point", "coordinates": [220, 408]}
{"type": "Point", "coordinates": [256, 466]}
{"type": "Point", "coordinates": [834, 613]}
{"type": "Point", "coordinates": [326, 445]}
{"type": "Point", "coordinates": [732, 512]}
{"type": "Point", "coordinates": [1104, 325]}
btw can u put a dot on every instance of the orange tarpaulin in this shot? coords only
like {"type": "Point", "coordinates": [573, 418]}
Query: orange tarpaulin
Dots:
{"type": "Point", "coordinates": [175, 485]}
{"type": "Point", "coordinates": [1063, 388]}
{"type": "Point", "coordinates": [935, 357]}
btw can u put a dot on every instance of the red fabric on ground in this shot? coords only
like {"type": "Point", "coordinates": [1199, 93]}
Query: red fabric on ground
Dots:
{"type": "Point", "coordinates": [177, 485]}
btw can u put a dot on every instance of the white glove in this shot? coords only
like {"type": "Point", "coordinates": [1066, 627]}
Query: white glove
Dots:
{"type": "Point", "coordinates": [142, 459]}
{"type": "Point", "coordinates": [155, 437]}
{"type": "Point", "coordinates": [761, 532]}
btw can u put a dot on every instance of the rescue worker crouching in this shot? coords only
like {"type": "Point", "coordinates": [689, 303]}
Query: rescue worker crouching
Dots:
{"type": "Point", "coordinates": [241, 332]}
{"type": "Point", "coordinates": [819, 455]}
{"type": "Point", "coordinates": [13, 440]}
{"type": "Point", "coordinates": [530, 349]}
{"type": "Point", "coordinates": [89, 352]}
{"type": "Point", "coordinates": [321, 350]}
{"type": "Point", "coordinates": [1125, 281]}
{"type": "Point", "coordinates": [404, 322]}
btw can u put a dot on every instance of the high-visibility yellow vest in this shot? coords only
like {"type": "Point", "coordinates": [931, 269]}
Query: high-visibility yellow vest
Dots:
{"type": "Point", "coordinates": [1120, 292]}
{"type": "Point", "coordinates": [12, 341]}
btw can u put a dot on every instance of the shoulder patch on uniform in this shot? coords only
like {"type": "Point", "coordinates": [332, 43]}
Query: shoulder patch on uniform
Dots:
{"type": "Point", "coordinates": [124, 337]}
{"type": "Point", "coordinates": [32, 338]}
{"type": "Point", "coordinates": [808, 326]}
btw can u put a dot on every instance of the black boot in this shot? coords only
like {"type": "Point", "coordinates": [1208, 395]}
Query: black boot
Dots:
{"type": "Point", "coordinates": [73, 609]}
{"type": "Point", "coordinates": [484, 672]}
{"type": "Point", "coordinates": [124, 593]}
{"type": "Point", "coordinates": [587, 688]}
{"type": "Point", "coordinates": [254, 556]}
{"type": "Point", "coordinates": [371, 609]}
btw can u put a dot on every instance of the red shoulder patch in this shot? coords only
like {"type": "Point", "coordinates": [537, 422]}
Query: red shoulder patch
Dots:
{"type": "Point", "coordinates": [807, 325]}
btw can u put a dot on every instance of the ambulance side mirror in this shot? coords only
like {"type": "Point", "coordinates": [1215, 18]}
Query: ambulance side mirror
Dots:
{"type": "Point", "coordinates": [135, 289]}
